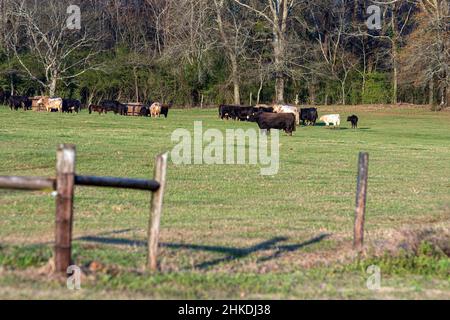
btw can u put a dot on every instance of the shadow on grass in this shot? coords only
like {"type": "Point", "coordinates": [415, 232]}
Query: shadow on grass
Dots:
{"type": "Point", "coordinates": [323, 125]}
{"type": "Point", "coordinates": [231, 253]}
{"type": "Point", "coordinates": [318, 124]}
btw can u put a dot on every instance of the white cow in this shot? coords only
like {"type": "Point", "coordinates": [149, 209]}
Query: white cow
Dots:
{"type": "Point", "coordinates": [278, 108]}
{"type": "Point", "coordinates": [51, 103]}
{"type": "Point", "coordinates": [155, 110]}
{"type": "Point", "coordinates": [334, 119]}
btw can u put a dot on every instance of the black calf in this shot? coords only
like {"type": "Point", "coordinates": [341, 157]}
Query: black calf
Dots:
{"type": "Point", "coordinates": [354, 120]}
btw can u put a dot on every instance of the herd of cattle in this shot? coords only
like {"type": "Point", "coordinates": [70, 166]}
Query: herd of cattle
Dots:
{"type": "Point", "coordinates": [71, 105]}
{"type": "Point", "coordinates": [153, 110]}
{"type": "Point", "coordinates": [281, 117]}
{"type": "Point", "coordinates": [50, 104]}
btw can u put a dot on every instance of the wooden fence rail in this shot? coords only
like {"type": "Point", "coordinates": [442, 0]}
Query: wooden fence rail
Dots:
{"type": "Point", "coordinates": [27, 183]}
{"type": "Point", "coordinates": [36, 184]}
{"type": "Point", "coordinates": [65, 183]}
{"type": "Point", "coordinates": [110, 182]}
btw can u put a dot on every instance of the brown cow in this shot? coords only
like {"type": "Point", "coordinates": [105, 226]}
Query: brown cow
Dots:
{"type": "Point", "coordinates": [155, 110]}
{"type": "Point", "coordinates": [95, 108]}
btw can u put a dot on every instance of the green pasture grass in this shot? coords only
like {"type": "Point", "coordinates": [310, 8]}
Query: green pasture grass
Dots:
{"type": "Point", "coordinates": [226, 222]}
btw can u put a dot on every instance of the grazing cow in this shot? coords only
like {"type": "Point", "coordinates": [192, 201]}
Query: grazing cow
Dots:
{"type": "Point", "coordinates": [280, 121]}
{"type": "Point", "coordinates": [222, 111]}
{"type": "Point", "coordinates": [243, 113]}
{"type": "Point", "coordinates": [354, 120]}
{"type": "Point", "coordinates": [155, 110]}
{"type": "Point", "coordinates": [17, 102]}
{"type": "Point", "coordinates": [288, 109]}
{"type": "Point", "coordinates": [114, 106]}
{"type": "Point", "coordinates": [51, 103]}
{"type": "Point", "coordinates": [71, 105]}
{"type": "Point", "coordinates": [309, 116]}
{"type": "Point", "coordinates": [95, 108]}
{"type": "Point", "coordinates": [334, 119]}
{"type": "Point", "coordinates": [145, 111]}
{"type": "Point", "coordinates": [228, 111]}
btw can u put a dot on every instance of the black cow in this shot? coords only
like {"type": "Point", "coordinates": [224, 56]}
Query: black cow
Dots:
{"type": "Point", "coordinates": [28, 104]}
{"type": "Point", "coordinates": [4, 97]}
{"type": "Point", "coordinates": [354, 120]}
{"type": "Point", "coordinates": [227, 111]}
{"type": "Point", "coordinates": [165, 110]}
{"type": "Point", "coordinates": [114, 106]}
{"type": "Point", "coordinates": [71, 105]}
{"type": "Point", "coordinates": [244, 113]}
{"type": "Point", "coordinates": [309, 116]}
{"type": "Point", "coordinates": [235, 112]}
{"type": "Point", "coordinates": [279, 121]}
{"type": "Point", "coordinates": [145, 111]}
{"type": "Point", "coordinates": [264, 109]}
{"type": "Point", "coordinates": [17, 102]}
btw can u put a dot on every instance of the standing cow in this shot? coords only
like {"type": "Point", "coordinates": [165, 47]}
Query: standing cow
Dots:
{"type": "Point", "coordinates": [114, 106]}
{"type": "Point", "coordinates": [51, 104]}
{"type": "Point", "coordinates": [288, 109]}
{"type": "Point", "coordinates": [71, 105]}
{"type": "Point", "coordinates": [155, 110]}
{"type": "Point", "coordinates": [309, 116]}
{"type": "Point", "coordinates": [280, 121]}
{"type": "Point", "coordinates": [165, 109]}
{"type": "Point", "coordinates": [4, 97]}
{"type": "Point", "coordinates": [354, 120]}
{"type": "Point", "coordinates": [18, 102]}
{"type": "Point", "coordinates": [334, 119]}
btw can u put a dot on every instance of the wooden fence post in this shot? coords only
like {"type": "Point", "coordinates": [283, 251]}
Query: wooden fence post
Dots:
{"type": "Point", "coordinates": [361, 197]}
{"type": "Point", "coordinates": [156, 211]}
{"type": "Point", "coordinates": [65, 181]}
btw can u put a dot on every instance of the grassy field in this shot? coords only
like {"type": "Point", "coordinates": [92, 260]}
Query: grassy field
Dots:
{"type": "Point", "coordinates": [227, 231]}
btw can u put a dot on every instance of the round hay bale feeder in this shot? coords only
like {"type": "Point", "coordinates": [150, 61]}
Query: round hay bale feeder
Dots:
{"type": "Point", "coordinates": [35, 106]}
{"type": "Point", "coordinates": [134, 108]}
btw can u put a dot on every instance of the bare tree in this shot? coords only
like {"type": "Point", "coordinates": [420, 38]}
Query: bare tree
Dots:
{"type": "Point", "coordinates": [45, 35]}
{"type": "Point", "coordinates": [332, 38]}
{"type": "Point", "coordinates": [277, 14]}
{"type": "Point", "coordinates": [426, 57]}
{"type": "Point", "coordinates": [234, 37]}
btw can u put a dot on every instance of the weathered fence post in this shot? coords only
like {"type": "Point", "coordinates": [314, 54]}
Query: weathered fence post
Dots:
{"type": "Point", "coordinates": [156, 211]}
{"type": "Point", "coordinates": [65, 182]}
{"type": "Point", "coordinates": [361, 197]}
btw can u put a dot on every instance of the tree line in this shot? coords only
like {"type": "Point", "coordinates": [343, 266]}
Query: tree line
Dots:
{"type": "Point", "coordinates": [200, 52]}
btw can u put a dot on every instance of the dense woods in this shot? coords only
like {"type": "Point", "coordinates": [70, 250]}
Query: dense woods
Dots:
{"type": "Point", "coordinates": [201, 52]}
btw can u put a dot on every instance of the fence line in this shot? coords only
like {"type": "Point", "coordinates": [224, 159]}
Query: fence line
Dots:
{"type": "Point", "coordinates": [65, 183]}
{"type": "Point", "coordinates": [66, 180]}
